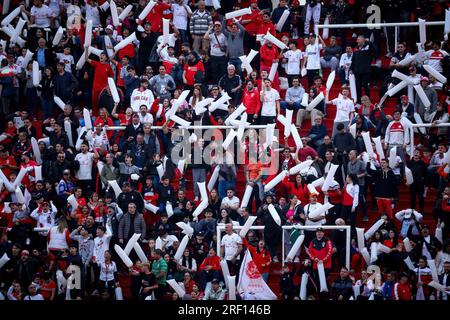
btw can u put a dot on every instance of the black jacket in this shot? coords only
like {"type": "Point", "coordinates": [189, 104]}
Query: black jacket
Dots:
{"type": "Point", "coordinates": [342, 288]}
{"type": "Point", "coordinates": [362, 58]}
{"type": "Point", "coordinates": [130, 131]}
{"type": "Point", "coordinates": [384, 184]}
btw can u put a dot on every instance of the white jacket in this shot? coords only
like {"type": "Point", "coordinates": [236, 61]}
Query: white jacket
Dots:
{"type": "Point", "coordinates": [44, 219]}
{"type": "Point", "coordinates": [139, 98]}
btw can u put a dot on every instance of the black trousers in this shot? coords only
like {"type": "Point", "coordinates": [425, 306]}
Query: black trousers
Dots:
{"type": "Point", "coordinates": [362, 80]}
{"type": "Point", "coordinates": [417, 190]}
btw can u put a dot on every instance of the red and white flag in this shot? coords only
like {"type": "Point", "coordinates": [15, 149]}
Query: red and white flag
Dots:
{"type": "Point", "coordinates": [250, 281]}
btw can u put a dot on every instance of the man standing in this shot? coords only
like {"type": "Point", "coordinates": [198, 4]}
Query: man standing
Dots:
{"type": "Point", "coordinates": [218, 42]}
{"type": "Point", "coordinates": [360, 67]}
{"type": "Point", "coordinates": [294, 61]}
{"type": "Point", "coordinates": [141, 96]}
{"type": "Point", "coordinates": [251, 101]}
{"type": "Point", "coordinates": [344, 109]}
{"type": "Point", "coordinates": [320, 251]}
{"type": "Point", "coordinates": [198, 26]}
{"type": "Point", "coordinates": [159, 270]}
{"type": "Point", "coordinates": [232, 84]}
{"type": "Point", "coordinates": [396, 136]}
{"type": "Point", "coordinates": [270, 99]}
{"type": "Point", "coordinates": [132, 222]}
{"type": "Point", "coordinates": [162, 84]}
{"type": "Point", "coordinates": [384, 186]}
{"type": "Point", "coordinates": [231, 248]}
{"type": "Point", "coordinates": [84, 161]}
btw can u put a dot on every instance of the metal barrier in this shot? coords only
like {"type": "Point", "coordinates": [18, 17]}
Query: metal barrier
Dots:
{"type": "Point", "coordinates": [347, 244]}
{"type": "Point", "coordinates": [421, 125]}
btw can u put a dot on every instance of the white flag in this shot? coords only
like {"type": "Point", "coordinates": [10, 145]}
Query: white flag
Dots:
{"type": "Point", "coordinates": [251, 282]}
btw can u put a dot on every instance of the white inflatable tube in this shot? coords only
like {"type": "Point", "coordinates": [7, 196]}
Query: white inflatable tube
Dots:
{"type": "Point", "coordinates": [59, 102]}
{"type": "Point", "coordinates": [8, 185]}
{"type": "Point", "coordinates": [187, 229]}
{"type": "Point", "coordinates": [114, 14]}
{"type": "Point", "coordinates": [36, 76]}
{"type": "Point", "coordinates": [378, 147]}
{"type": "Point", "coordinates": [113, 89]}
{"type": "Point", "coordinates": [95, 51]}
{"type": "Point", "coordinates": [397, 88]}
{"type": "Point", "coordinates": [169, 209]}
{"type": "Point", "coordinates": [23, 171]}
{"type": "Point", "coordinates": [123, 256]}
{"type": "Point", "coordinates": [330, 177]}
{"type": "Point", "coordinates": [447, 22]}
{"type": "Point", "coordinates": [58, 36]}
{"type": "Point", "coordinates": [318, 182]}
{"type": "Point", "coordinates": [288, 126]}
{"type": "Point", "coordinates": [236, 113]}
{"type": "Point", "coordinates": [108, 45]}
{"type": "Point", "coordinates": [140, 252]}
{"type": "Point", "coordinates": [237, 13]}
{"type": "Point", "coordinates": [220, 102]}
{"type": "Point", "coordinates": [330, 80]}
{"type": "Point", "coordinates": [407, 61]}
{"type": "Point", "coordinates": [181, 247]}
{"type": "Point", "coordinates": [439, 77]}
{"type": "Point", "coordinates": [392, 157]}
{"type": "Point", "coordinates": [216, 4]}
{"type": "Point", "coordinates": [125, 12]}
{"type": "Point", "coordinates": [176, 287]}
{"type": "Point", "coordinates": [282, 20]}
{"type": "Point", "coordinates": [18, 30]}
{"type": "Point", "coordinates": [147, 10]}
{"type": "Point", "coordinates": [422, 31]}
{"type": "Point", "coordinates": [73, 202]}
{"type": "Point", "coordinates": [272, 183]}
{"type": "Point", "coordinates": [312, 189]}
{"type": "Point", "coordinates": [225, 271]}
{"type": "Point", "coordinates": [356, 291]}
{"type": "Point", "coordinates": [68, 130]}
{"type": "Point", "coordinates": [212, 181]}
{"type": "Point", "coordinates": [320, 211]}
{"type": "Point", "coordinates": [10, 17]}
{"type": "Point", "coordinates": [3, 260]}
{"type": "Point", "coordinates": [274, 213]}
{"type": "Point", "coordinates": [437, 233]}
{"type": "Point", "coordinates": [352, 81]}
{"type": "Point", "coordinates": [434, 273]}
{"type": "Point", "coordinates": [38, 173]}
{"type": "Point", "coordinates": [373, 252]}
{"type": "Point", "coordinates": [438, 286]}
{"type": "Point", "coordinates": [122, 44]}
{"type": "Point", "coordinates": [19, 196]}
{"type": "Point", "coordinates": [180, 165]}
{"type": "Point", "coordinates": [409, 263]}
{"type": "Point", "coordinates": [202, 206]}
{"type": "Point", "coordinates": [247, 195]}
{"type": "Point", "coordinates": [88, 34]}
{"type": "Point", "coordinates": [269, 134]}
{"type": "Point", "coordinates": [299, 167]}
{"type": "Point", "coordinates": [400, 76]}
{"type": "Point", "coordinates": [275, 41]}
{"type": "Point", "coordinates": [322, 278]}
{"type": "Point", "coordinates": [368, 143]}
{"type": "Point", "coordinates": [115, 186]}
{"type": "Point", "coordinates": [426, 102]}
{"type": "Point", "coordinates": [295, 248]}
{"type": "Point", "coordinates": [250, 221]}
{"type": "Point", "coordinates": [131, 242]}
{"type": "Point", "coordinates": [369, 233]}
{"type": "Point", "coordinates": [315, 101]}
{"type": "Point", "coordinates": [304, 286]}
{"type": "Point", "coordinates": [105, 6]}
{"type": "Point", "coordinates": [27, 59]}
{"type": "Point", "coordinates": [232, 288]}
{"type": "Point", "coordinates": [409, 176]}
{"type": "Point", "coordinates": [118, 293]}
{"type": "Point", "coordinates": [150, 207]}
{"type": "Point", "coordinates": [36, 151]}
{"type": "Point", "coordinates": [230, 137]}
{"type": "Point", "coordinates": [366, 256]}
{"type": "Point", "coordinates": [296, 136]}
{"type": "Point", "coordinates": [407, 244]}
{"type": "Point", "coordinates": [352, 130]}
{"type": "Point", "coordinates": [360, 238]}
{"type": "Point", "coordinates": [166, 30]}
{"type": "Point", "coordinates": [273, 71]}
{"type": "Point", "coordinates": [203, 192]}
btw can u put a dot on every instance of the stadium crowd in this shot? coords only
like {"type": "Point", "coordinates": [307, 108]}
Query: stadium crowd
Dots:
{"type": "Point", "coordinates": [74, 187]}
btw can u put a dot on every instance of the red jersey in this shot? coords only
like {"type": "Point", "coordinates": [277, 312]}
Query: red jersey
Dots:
{"type": "Point", "coordinates": [102, 71]}
{"type": "Point", "coordinates": [252, 101]}
{"type": "Point", "coordinates": [402, 291]}
{"type": "Point", "coordinates": [191, 71]}
{"type": "Point", "coordinates": [263, 27]}
{"type": "Point", "coordinates": [322, 250]}
{"type": "Point", "coordinates": [256, 20]}
{"type": "Point", "coordinates": [214, 262]}
{"type": "Point", "coordinates": [155, 16]}
{"type": "Point", "coordinates": [9, 160]}
{"type": "Point", "coordinates": [268, 54]}
{"type": "Point", "coordinates": [260, 258]}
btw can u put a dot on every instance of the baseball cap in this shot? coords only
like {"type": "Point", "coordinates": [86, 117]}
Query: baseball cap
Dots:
{"type": "Point", "coordinates": [218, 23]}
{"type": "Point", "coordinates": [110, 27]}
{"type": "Point", "coordinates": [319, 229]}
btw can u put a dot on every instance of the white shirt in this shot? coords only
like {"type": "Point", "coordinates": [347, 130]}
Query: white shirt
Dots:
{"type": "Point", "coordinates": [343, 109]}
{"type": "Point", "coordinates": [215, 46]}
{"type": "Point", "coordinates": [67, 60]}
{"type": "Point", "coordinates": [86, 161]}
{"type": "Point", "coordinates": [231, 244]}
{"type": "Point", "coordinates": [433, 59]}
{"type": "Point", "coordinates": [230, 202]}
{"type": "Point", "coordinates": [293, 65]}
{"type": "Point", "coordinates": [107, 271]}
{"type": "Point", "coordinates": [139, 98]}
{"type": "Point", "coordinates": [54, 6]}
{"type": "Point", "coordinates": [92, 14]}
{"type": "Point", "coordinates": [309, 208]}
{"type": "Point", "coordinates": [180, 16]}
{"type": "Point", "coordinates": [100, 246]}
{"type": "Point", "coordinates": [268, 105]}
{"type": "Point", "coordinates": [41, 16]}
{"type": "Point", "coordinates": [148, 118]}
{"type": "Point", "coordinates": [313, 53]}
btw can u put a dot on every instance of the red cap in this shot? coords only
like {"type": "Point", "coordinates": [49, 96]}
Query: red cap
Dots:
{"type": "Point", "coordinates": [253, 1]}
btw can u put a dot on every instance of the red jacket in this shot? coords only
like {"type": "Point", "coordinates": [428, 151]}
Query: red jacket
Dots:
{"type": "Point", "coordinates": [402, 291]}
{"type": "Point", "coordinates": [155, 16]}
{"type": "Point", "coordinates": [260, 258]}
{"type": "Point", "coordinates": [253, 26]}
{"type": "Point", "coordinates": [264, 27]}
{"type": "Point", "coordinates": [268, 54]}
{"type": "Point", "coordinates": [252, 101]}
{"type": "Point", "coordinates": [214, 262]}
{"type": "Point", "coordinates": [322, 250]}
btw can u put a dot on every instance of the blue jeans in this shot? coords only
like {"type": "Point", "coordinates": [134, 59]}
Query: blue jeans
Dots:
{"type": "Point", "coordinates": [47, 108]}
{"type": "Point", "coordinates": [285, 105]}
{"type": "Point", "coordinates": [206, 277]}
{"type": "Point", "coordinates": [342, 75]}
